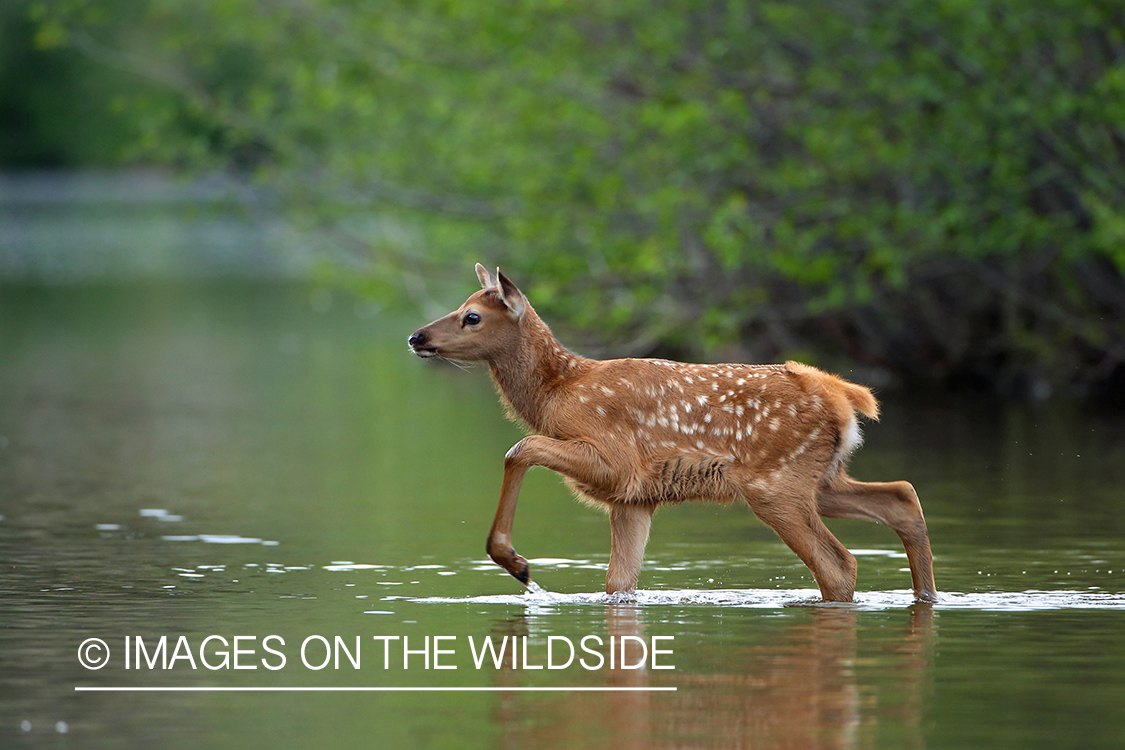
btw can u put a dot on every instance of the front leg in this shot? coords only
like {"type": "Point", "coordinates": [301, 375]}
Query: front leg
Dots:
{"type": "Point", "coordinates": [500, 547]}
{"type": "Point", "coordinates": [572, 458]}
{"type": "Point", "coordinates": [629, 526]}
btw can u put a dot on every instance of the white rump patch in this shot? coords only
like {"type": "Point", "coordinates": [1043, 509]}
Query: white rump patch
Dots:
{"type": "Point", "coordinates": [851, 438]}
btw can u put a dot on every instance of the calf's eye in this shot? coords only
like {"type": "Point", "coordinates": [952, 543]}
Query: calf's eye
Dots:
{"type": "Point", "coordinates": [471, 319]}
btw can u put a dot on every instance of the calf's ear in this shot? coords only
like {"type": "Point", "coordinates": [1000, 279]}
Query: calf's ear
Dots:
{"type": "Point", "coordinates": [511, 295]}
{"type": "Point", "coordinates": [487, 280]}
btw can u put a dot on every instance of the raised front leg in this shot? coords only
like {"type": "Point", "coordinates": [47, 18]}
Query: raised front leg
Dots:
{"type": "Point", "coordinates": [571, 458]}
{"type": "Point", "coordinates": [500, 547]}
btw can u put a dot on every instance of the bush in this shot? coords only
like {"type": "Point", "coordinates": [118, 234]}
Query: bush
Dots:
{"type": "Point", "coordinates": [931, 188]}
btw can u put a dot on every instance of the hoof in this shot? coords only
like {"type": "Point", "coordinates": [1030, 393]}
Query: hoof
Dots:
{"type": "Point", "coordinates": [507, 558]}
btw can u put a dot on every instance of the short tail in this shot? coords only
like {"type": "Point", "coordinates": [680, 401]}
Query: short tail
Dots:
{"type": "Point", "coordinates": [861, 399]}
{"type": "Point", "coordinates": [858, 397]}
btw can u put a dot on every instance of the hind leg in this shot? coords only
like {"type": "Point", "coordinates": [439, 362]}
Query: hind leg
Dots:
{"type": "Point", "coordinates": [892, 504]}
{"type": "Point", "coordinates": [795, 520]}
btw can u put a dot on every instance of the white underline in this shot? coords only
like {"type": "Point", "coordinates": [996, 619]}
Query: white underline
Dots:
{"type": "Point", "coordinates": [365, 689]}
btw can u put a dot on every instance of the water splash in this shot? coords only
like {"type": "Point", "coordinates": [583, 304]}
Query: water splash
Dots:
{"type": "Point", "coordinates": [773, 598]}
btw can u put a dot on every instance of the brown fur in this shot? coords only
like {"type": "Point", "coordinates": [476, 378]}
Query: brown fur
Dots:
{"type": "Point", "coordinates": [639, 433]}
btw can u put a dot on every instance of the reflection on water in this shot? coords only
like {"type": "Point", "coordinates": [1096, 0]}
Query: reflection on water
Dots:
{"type": "Point", "coordinates": [806, 686]}
{"type": "Point", "coordinates": [231, 461]}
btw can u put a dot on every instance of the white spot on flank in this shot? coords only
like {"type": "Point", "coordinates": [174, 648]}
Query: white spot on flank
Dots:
{"type": "Point", "coordinates": [773, 424]}
{"type": "Point", "coordinates": [607, 391]}
{"type": "Point", "coordinates": [601, 411]}
{"type": "Point", "coordinates": [701, 399]}
{"type": "Point", "coordinates": [792, 410]}
{"type": "Point", "coordinates": [583, 399]}
{"type": "Point", "coordinates": [707, 417]}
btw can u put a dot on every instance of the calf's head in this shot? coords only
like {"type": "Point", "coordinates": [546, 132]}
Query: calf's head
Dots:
{"type": "Point", "coordinates": [486, 324]}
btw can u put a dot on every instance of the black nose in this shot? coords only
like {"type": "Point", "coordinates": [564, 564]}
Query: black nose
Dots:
{"type": "Point", "coordinates": [417, 338]}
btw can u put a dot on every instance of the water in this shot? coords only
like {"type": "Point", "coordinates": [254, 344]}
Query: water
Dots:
{"type": "Point", "coordinates": [235, 461]}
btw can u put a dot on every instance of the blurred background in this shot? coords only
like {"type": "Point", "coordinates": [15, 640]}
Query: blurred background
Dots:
{"type": "Point", "coordinates": [920, 193]}
{"type": "Point", "coordinates": [220, 220]}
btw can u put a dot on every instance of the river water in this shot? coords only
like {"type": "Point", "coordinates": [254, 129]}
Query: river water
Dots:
{"type": "Point", "coordinates": [210, 463]}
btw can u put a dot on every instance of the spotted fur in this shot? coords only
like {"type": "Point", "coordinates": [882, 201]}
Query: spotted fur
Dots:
{"type": "Point", "coordinates": [630, 435]}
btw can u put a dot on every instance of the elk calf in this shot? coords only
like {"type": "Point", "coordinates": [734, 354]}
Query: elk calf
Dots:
{"type": "Point", "coordinates": [633, 434]}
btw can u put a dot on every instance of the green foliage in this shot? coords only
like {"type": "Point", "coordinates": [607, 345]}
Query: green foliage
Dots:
{"type": "Point", "coordinates": [46, 87]}
{"type": "Point", "coordinates": [933, 187]}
